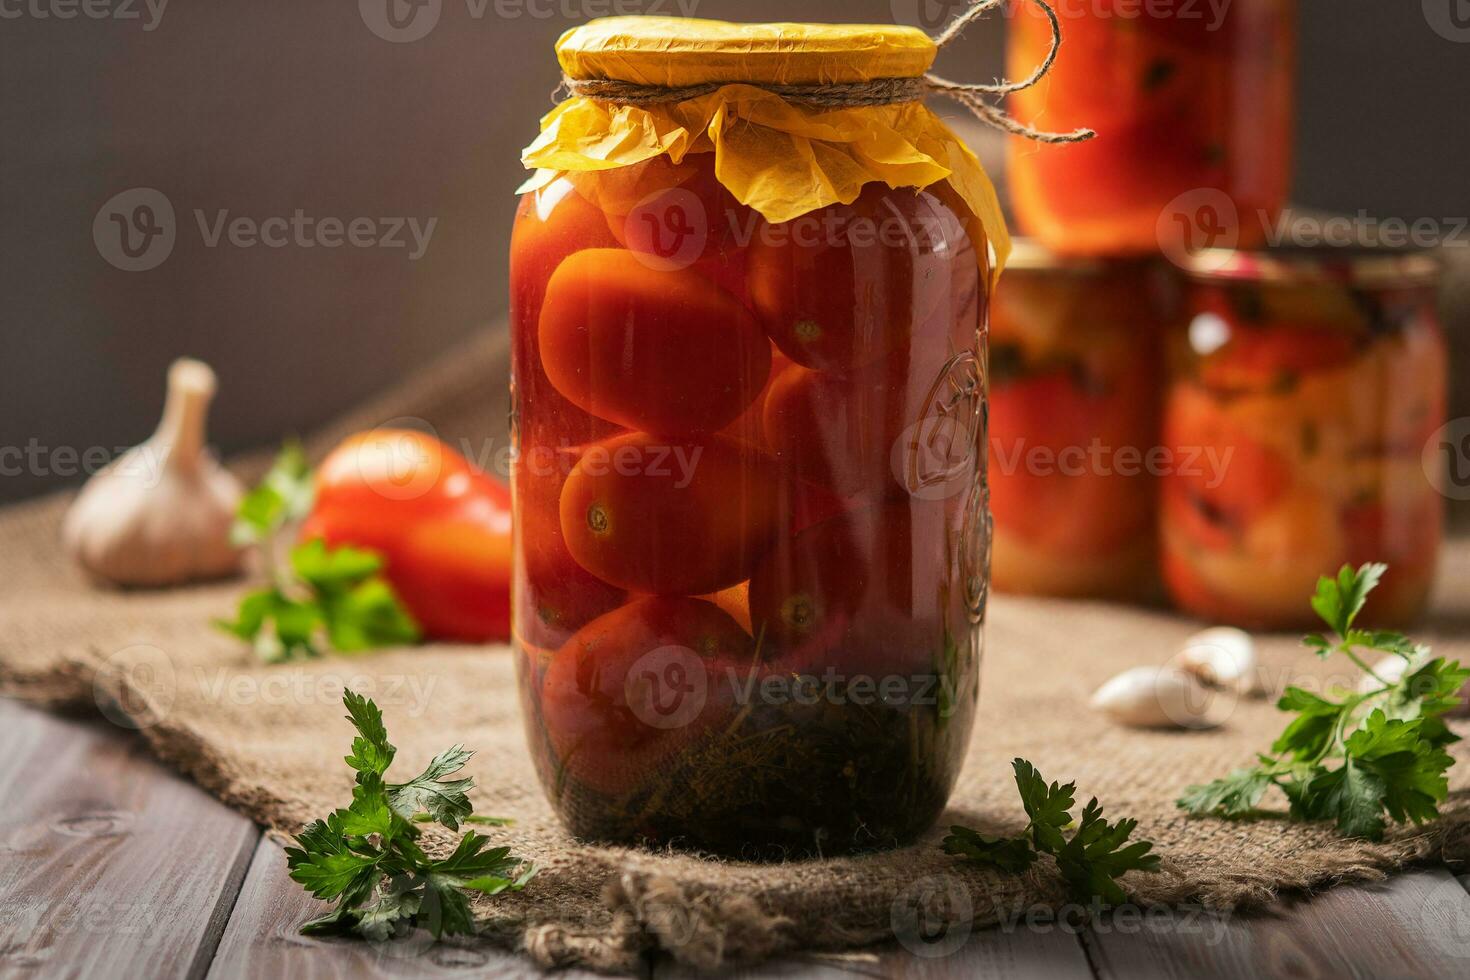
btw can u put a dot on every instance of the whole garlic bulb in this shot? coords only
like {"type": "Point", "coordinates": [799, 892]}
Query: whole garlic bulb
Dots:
{"type": "Point", "coordinates": [160, 514]}
{"type": "Point", "coordinates": [1158, 697]}
{"type": "Point", "coordinates": [1223, 657]}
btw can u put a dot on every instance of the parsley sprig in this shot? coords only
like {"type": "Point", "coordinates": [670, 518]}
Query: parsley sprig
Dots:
{"type": "Point", "coordinates": [367, 856]}
{"type": "Point", "coordinates": [1357, 759]}
{"type": "Point", "coordinates": [320, 598]}
{"type": "Point", "coordinates": [1091, 861]}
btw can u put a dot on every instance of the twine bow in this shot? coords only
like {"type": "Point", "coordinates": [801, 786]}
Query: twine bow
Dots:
{"type": "Point", "coordinates": [878, 91]}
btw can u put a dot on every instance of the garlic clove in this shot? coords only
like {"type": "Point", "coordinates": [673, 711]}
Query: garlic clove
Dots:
{"type": "Point", "coordinates": [1223, 657]}
{"type": "Point", "coordinates": [160, 514]}
{"type": "Point", "coordinates": [1161, 697]}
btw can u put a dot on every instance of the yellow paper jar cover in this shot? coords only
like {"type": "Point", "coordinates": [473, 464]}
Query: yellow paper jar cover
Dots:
{"type": "Point", "coordinates": [780, 157]}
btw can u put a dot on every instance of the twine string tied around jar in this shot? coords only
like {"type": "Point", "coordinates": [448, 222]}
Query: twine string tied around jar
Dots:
{"type": "Point", "coordinates": [874, 92]}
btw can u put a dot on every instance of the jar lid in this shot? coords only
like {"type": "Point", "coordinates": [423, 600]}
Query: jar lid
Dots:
{"type": "Point", "coordinates": [678, 51]}
{"type": "Point", "coordinates": [1371, 266]}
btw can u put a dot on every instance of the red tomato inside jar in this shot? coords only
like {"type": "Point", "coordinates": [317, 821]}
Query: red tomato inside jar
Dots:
{"type": "Point", "coordinates": [1075, 376]}
{"type": "Point", "coordinates": [1193, 107]}
{"type": "Point", "coordinates": [1303, 390]}
{"type": "Point", "coordinates": [750, 521]}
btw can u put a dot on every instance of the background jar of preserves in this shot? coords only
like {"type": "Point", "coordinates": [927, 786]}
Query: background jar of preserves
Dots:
{"type": "Point", "coordinates": [752, 544]}
{"type": "Point", "coordinates": [1075, 382]}
{"type": "Point", "coordinates": [1193, 109]}
{"type": "Point", "coordinates": [1304, 386]}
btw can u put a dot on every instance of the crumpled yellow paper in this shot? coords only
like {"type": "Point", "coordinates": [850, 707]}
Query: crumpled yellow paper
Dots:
{"type": "Point", "coordinates": [782, 159]}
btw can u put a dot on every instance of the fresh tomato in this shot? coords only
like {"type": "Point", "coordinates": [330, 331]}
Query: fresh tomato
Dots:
{"type": "Point", "coordinates": [555, 595]}
{"type": "Point", "coordinates": [454, 572]}
{"type": "Point", "coordinates": [688, 518]}
{"type": "Point", "coordinates": [654, 350]}
{"type": "Point", "coordinates": [871, 590]}
{"type": "Point", "coordinates": [843, 286]}
{"type": "Point", "coordinates": [443, 528]}
{"type": "Point", "coordinates": [632, 688]}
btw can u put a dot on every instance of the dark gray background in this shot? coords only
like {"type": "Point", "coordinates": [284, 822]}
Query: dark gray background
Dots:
{"type": "Point", "coordinates": [264, 107]}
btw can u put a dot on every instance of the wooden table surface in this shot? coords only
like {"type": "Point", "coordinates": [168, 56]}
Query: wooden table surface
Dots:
{"type": "Point", "coordinates": [112, 866]}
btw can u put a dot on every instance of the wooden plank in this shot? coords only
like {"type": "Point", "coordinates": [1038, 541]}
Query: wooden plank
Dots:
{"type": "Point", "coordinates": [1414, 925]}
{"type": "Point", "coordinates": [109, 865]}
{"type": "Point", "coordinates": [262, 940]}
{"type": "Point", "coordinates": [1014, 953]}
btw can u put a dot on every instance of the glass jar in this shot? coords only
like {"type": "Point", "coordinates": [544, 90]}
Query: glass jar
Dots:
{"type": "Point", "coordinates": [1303, 389]}
{"type": "Point", "coordinates": [1193, 110]}
{"type": "Point", "coordinates": [749, 487]}
{"type": "Point", "coordinates": [1075, 385]}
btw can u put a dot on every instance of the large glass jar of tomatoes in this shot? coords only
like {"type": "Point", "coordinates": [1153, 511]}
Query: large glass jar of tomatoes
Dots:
{"type": "Point", "coordinates": [1304, 386]}
{"type": "Point", "coordinates": [1075, 382]}
{"type": "Point", "coordinates": [750, 508]}
{"type": "Point", "coordinates": [1193, 108]}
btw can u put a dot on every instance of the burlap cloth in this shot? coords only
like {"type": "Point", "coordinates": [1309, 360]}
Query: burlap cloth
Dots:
{"type": "Point", "coordinates": [269, 741]}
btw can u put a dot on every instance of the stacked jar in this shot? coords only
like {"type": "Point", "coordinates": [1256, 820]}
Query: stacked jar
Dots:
{"type": "Point", "coordinates": [1303, 388]}
{"type": "Point", "coordinates": [1075, 374]}
{"type": "Point", "coordinates": [1283, 422]}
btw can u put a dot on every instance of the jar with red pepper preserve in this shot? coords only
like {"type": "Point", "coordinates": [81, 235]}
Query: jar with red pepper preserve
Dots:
{"type": "Point", "coordinates": [751, 554]}
{"type": "Point", "coordinates": [1193, 108]}
{"type": "Point", "coordinates": [1303, 388]}
{"type": "Point", "coordinates": [1075, 379]}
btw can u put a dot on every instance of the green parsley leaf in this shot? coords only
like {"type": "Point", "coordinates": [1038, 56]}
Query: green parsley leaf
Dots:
{"type": "Point", "coordinates": [283, 496]}
{"type": "Point", "coordinates": [1338, 601]}
{"type": "Point", "coordinates": [1097, 854]}
{"type": "Point", "coordinates": [1013, 855]}
{"type": "Point", "coordinates": [443, 800]}
{"type": "Point", "coordinates": [1233, 796]}
{"type": "Point", "coordinates": [340, 602]}
{"type": "Point", "coordinates": [367, 857]}
{"type": "Point", "coordinates": [325, 863]}
{"type": "Point", "coordinates": [1369, 758]}
{"type": "Point", "coordinates": [1048, 806]}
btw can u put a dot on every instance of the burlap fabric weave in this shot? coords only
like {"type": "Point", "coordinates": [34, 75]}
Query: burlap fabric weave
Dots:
{"type": "Point", "coordinates": [269, 741]}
